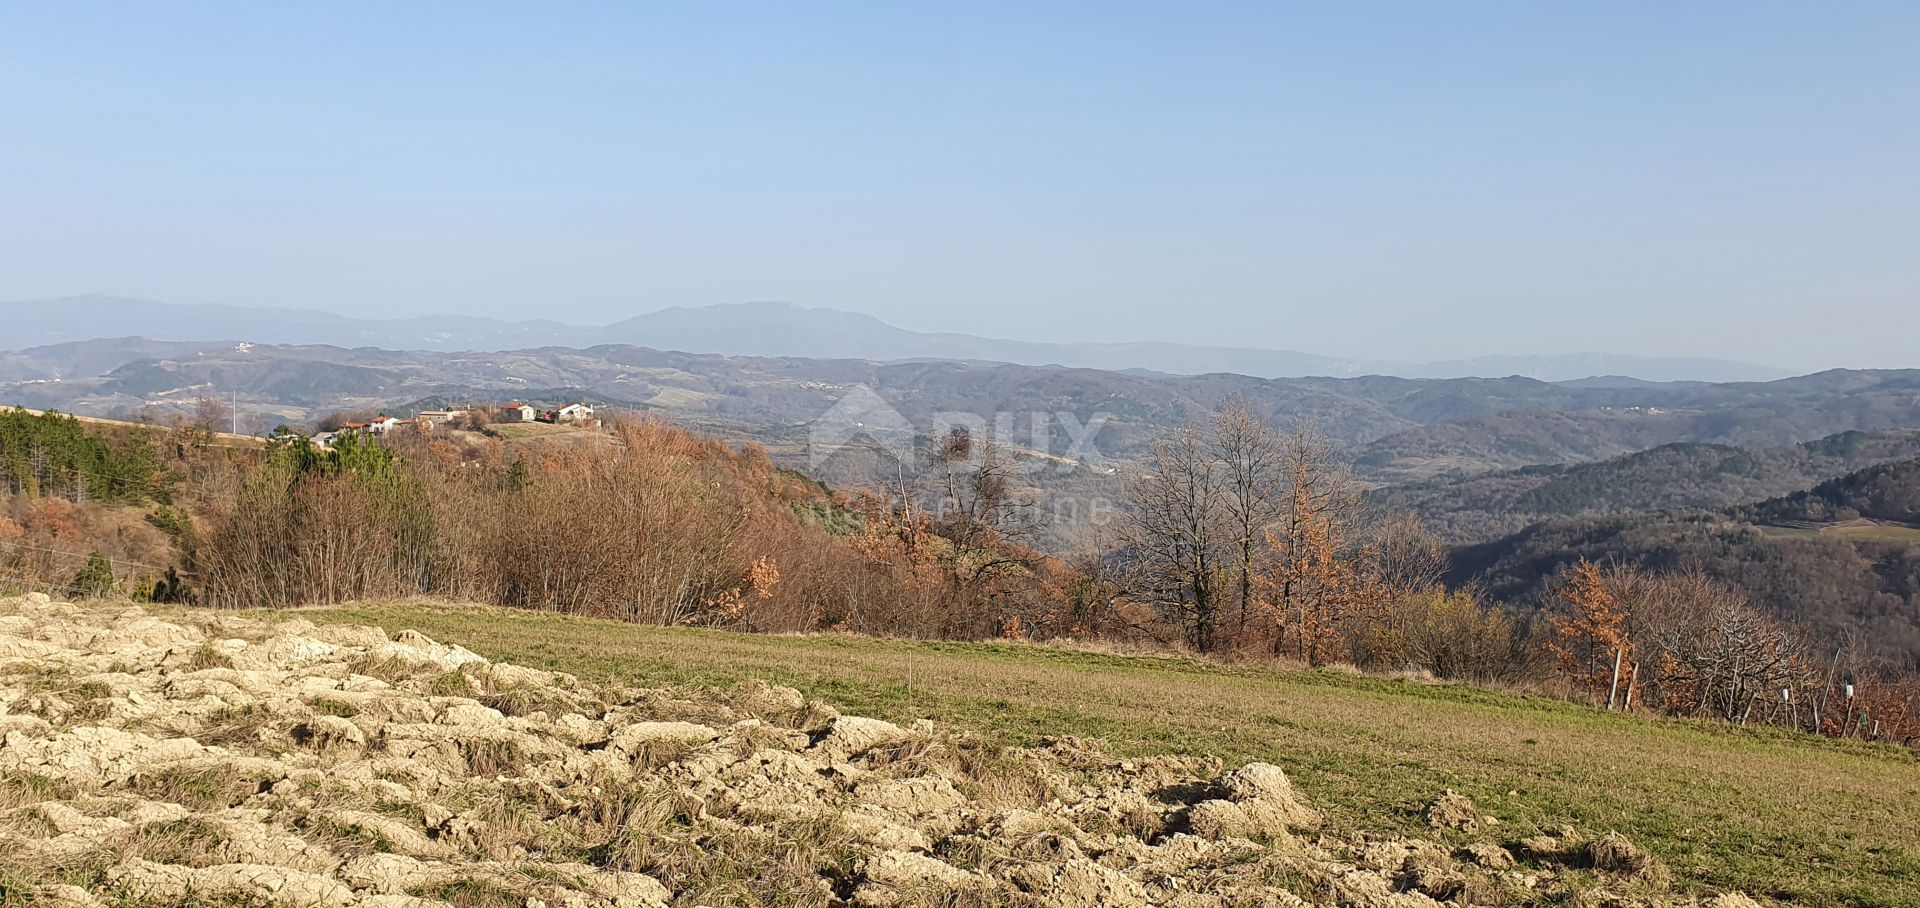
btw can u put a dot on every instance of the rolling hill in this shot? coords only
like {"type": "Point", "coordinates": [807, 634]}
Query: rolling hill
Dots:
{"type": "Point", "coordinates": [1479, 507]}
{"type": "Point", "coordinates": [1848, 585]}
{"type": "Point", "coordinates": [1397, 429]}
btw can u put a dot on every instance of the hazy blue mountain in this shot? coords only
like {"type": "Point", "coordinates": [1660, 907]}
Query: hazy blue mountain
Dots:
{"type": "Point", "coordinates": [78, 318]}
{"type": "Point", "coordinates": [778, 329]}
{"type": "Point", "coordinates": [783, 329]}
{"type": "Point", "coordinates": [1603, 369]}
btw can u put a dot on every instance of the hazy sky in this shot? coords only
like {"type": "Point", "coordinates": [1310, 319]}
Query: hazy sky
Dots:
{"type": "Point", "coordinates": [1416, 181]}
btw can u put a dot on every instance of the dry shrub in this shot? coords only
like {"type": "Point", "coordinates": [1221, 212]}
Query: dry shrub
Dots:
{"type": "Point", "coordinates": [473, 892]}
{"type": "Point", "coordinates": [652, 523]}
{"type": "Point", "coordinates": [242, 724]}
{"type": "Point", "coordinates": [47, 541]}
{"type": "Point", "coordinates": [210, 787]}
{"type": "Point", "coordinates": [189, 841]}
{"type": "Point", "coordinates": [491, 756]}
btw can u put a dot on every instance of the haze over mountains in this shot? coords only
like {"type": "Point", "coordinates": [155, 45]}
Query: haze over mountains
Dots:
{"type": "Point", "coordinates": [1394, 429]}
{"type": "Point", "coordinates": [781, 330]}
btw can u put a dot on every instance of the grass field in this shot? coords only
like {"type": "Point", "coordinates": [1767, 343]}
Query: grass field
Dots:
{"type": "Point", "coordinates": [1781, 816]}
{"type": "Point", "coordinates": [1853, 530]}
{"type": "Point", "coordinates": [523, 430]}
{"type": "Point", "coordinates": [534, 437]}
{"type": "Point", "coordinates": [1870, 531]}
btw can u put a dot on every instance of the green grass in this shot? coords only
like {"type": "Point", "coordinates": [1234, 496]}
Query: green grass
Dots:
{"type": "Point", "coordinates": [1876, 532]}
{"type": "Point", "coordinates": [1852, 531]}
{"type": "Point", "coordinates": [1781, 816]}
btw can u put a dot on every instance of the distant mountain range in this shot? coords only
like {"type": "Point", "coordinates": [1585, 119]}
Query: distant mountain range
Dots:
{"type": "Point", "coordinates": [782, 329]}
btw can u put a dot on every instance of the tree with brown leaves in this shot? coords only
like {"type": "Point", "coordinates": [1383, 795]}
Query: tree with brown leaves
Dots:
{"type": "Point", "coordinates": [1318, 583]}
{"type": "Point", "coordinates": [1590, 636]}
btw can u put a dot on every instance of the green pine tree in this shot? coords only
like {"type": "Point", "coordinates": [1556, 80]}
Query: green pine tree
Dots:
{"type": "Point", "coordinates": [96, 579]}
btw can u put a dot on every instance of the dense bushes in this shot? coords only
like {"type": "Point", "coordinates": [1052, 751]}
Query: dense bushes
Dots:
{"type": "Point", "coordinates": [651, 523]}
{"type": "Point", "coordinates": [50, 542]}
{"type": "Point", "coordinates": [1834, 585]}
{"type": "Point", "coordinates": [1687, 644]}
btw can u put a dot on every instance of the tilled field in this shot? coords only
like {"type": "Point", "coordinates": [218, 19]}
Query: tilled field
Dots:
{"type": "Point", "coordinates": [210, 760]}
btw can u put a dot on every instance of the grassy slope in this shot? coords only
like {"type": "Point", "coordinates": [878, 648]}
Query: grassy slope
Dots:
{"type": "Point", "coordinates": [1782, 816]}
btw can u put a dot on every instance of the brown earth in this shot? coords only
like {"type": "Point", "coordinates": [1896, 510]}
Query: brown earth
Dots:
{"type": "Point", "coordinates": [211, 760]}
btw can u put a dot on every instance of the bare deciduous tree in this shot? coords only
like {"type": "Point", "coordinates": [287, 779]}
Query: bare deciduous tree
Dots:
{"type": "Point", "coordinates": [1174, 537]}
{"type": "Point", "coordinates": [212, 414]}
{"type": "Point", "coordinates": [1250, 455]}
{"type": "Point", "coordinates": [1408, 558]}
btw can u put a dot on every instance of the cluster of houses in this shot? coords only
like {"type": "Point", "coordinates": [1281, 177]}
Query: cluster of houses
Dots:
{"type": "Point", "coordinates": [428, 420]}
{"type": "Point", "coordinates": [571, 413]}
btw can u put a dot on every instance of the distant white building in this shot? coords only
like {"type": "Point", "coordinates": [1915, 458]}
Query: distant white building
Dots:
{"type": "Point", "coordinates": [519, 411]}
{"type": "Point", "coordinates": [576, 413]}
{"type": "Point", "coordinates": [441, 417]}
{"type": "Point", "coordinates": [381, 425]}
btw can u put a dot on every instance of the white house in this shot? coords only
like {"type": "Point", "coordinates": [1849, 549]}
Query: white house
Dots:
{"type": "Point", "coordinates": [576, 413]}
{"type": "Point", "coordinates": [381, 425]}
{"type": "Point", "coordinates": [519, 411]}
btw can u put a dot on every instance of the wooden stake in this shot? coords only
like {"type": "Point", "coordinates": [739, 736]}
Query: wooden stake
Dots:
{"type": "Point", "coordinates": [1614, 690]}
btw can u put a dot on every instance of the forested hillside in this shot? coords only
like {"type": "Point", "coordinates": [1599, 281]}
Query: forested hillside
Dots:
{"type": "Point", "coordinates": [1486, 506]}
{"type": "Point", "coordinates": [1885, 492]}
{"type": "Point", "coordinates": [1843, 557]}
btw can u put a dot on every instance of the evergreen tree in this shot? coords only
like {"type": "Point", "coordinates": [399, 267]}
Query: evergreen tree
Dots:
{"type": "Point", "coordinates": [96, 579]}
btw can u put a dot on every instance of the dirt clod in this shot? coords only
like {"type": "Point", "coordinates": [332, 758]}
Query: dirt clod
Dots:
{"type": "Point", "coordinates": [1454, 811]}
{"type": "Point", "coordinates": [1614, 853]}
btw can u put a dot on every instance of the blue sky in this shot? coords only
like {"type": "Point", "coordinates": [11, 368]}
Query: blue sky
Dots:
{"type": "Point", "coordinates": [1414, 181]}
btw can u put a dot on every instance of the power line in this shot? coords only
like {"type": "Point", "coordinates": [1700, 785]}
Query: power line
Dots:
{"type": "Point", "coordinates": [63, 587]}
{"type": "Point", "coordinates": [115, 561]}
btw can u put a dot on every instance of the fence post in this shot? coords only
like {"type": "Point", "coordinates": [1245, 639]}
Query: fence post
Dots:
{"type": "Point", "coordinates": [1614, 690]}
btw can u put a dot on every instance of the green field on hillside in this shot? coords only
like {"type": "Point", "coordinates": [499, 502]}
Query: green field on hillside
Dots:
{"type": "Point", "coordinates": [1781, 816]}
{"type": "Point", "coordinates": [1852, 530]}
